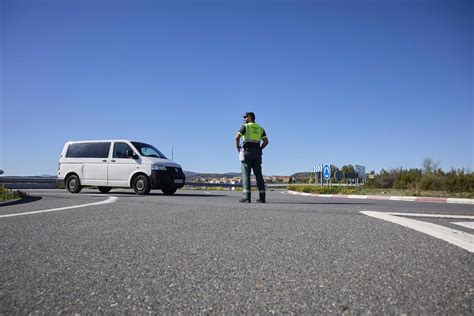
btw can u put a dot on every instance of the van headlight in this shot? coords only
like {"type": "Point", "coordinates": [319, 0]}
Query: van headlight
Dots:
{"type": "Point", "coordinates": [158, 167]}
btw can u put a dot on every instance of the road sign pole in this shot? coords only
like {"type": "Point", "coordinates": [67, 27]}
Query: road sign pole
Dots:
{"type": "Point", "coordinates": [314, 170]}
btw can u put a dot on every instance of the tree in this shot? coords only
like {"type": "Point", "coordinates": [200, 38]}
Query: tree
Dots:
{"type": "Point", "coordinates": [348, 169]}
{"type": "Point", "coordinates": [429, 165]}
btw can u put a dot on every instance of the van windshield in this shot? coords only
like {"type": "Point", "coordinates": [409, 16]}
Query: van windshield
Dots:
{"type": "Point", "coordinates": [148, 150]}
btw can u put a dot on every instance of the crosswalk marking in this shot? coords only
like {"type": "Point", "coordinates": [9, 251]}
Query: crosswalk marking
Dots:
{"type": "Point", "coordinates": [465, 224]}
{"type": "Point", "coordinates": [453, 236]}
{"type": "Point", "coordinates": [432, 215]}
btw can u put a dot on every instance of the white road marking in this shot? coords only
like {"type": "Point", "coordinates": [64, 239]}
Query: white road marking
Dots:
{"type": "Point", "coordinates": [309, 194]}
{"type": "Point", "coordinates": [389, 198]}
{"type": "Point", "coordinates": [111, 199]}
{"type": "Point", "coordinates": [453, 236]}
{"type": "Point", "coordinates": [363, 197]}
{"type": "Point", "coordinates": [465, 224]}
{"type": "Point", "coordinates": [432, 215]}
{"type": "Point", "coordinates": [403, 198]}
{"type": "Point", "coordinates": [460, 201]}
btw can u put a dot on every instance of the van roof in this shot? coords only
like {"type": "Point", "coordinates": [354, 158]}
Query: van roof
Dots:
{"type": "Point", "coordinates": [100, 140]}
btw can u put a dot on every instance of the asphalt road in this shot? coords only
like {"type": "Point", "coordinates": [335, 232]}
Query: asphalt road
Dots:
{"type": "Point", "coordinates": [203, 252]}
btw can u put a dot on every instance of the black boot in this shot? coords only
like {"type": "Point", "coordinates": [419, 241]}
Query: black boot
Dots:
{"type": "Point", "coordinates": [245, 200]}
{"type": "Point", "coordinates": [261, 199]}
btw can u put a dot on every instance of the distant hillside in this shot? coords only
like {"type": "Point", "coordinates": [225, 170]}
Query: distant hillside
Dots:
{"type": "Point", "coordinates": [190, 176]}
{"type": "Point", "coordinates": [46, 176]}
{"type": "Point", "coordinates": [189, 173]}
{"type": "Point", "coordinates": [300, 175]}
{"type": "Point", "coordinates": [194, 175]}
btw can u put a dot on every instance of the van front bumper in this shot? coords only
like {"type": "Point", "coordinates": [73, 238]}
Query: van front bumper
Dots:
{"type": "Point", "coordinates": [170, 178]}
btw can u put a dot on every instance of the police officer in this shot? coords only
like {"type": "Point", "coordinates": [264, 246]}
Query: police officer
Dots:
{"type": "Point", "coordinates": [253, 134]}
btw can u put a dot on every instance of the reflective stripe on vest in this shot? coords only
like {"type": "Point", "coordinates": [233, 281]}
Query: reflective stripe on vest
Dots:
{"type": "Point", "coordinates": [253, 133]}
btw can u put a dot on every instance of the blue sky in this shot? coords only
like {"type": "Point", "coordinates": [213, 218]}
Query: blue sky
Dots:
{"type": "Point", "coordinates": [383, 84]}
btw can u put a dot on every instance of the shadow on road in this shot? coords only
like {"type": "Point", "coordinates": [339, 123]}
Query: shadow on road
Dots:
{"type": "Point", "coordinates": [319, 203]}
{"type": "Point", "coordinates": [25, 200]}
{"type": "Point", "coordinates": [131, 194]}
{"type": "Point", "coordinates": [188, 194]}
{"type": "Point", "coordinates": [197, 195]}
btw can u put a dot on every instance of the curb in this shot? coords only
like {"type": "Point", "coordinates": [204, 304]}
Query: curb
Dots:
{"type": "Point", "coordinates": [390, 198]}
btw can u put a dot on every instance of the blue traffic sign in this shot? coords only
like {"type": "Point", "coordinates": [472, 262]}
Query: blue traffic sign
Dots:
{"type": "Point", "coordinates": [326, 172]}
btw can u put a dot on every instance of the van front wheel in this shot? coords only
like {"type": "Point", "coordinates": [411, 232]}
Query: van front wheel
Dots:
{"type": "Point", "coordinates": [73, 184]}
{"type": "Point", "coordinates": [141, 185]}
{"type": "Point", "coordinates": [169, 191]}
{"type": "Point", "coordinates": [105, 189]}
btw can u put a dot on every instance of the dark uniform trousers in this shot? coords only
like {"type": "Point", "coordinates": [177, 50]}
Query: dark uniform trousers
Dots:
{"type": "Point", "coordinates": [253, 160]}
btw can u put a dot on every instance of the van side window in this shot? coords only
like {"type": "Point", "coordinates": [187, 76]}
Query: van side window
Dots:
{"type": "Point", "coordinates": [120, 150]}
{"type": "Point", "coordinates": [88, 150]}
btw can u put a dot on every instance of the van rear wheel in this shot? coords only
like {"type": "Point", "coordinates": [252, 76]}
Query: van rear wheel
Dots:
{"type": "Point", "coordinates": [141, 185]}
{"type": "Point", "coordinates": [73, 184]}
{"type": "Point", "coordinates": [105, 189]}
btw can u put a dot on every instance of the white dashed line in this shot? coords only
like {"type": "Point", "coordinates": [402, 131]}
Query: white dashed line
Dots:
{"type": "Point", "coordinates": [453, 236]}
{"type": "Point", "coordinates": [111, 199]}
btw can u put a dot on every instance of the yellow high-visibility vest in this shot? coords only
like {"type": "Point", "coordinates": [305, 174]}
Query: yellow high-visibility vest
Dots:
{"type": "Point", "coordinates": [253, 133]}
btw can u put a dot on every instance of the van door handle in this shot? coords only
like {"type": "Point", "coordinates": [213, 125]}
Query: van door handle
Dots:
{"type": "Point", "coordinates": [105, 160]}
{"type": "Point", "coordinates": [113, 160]}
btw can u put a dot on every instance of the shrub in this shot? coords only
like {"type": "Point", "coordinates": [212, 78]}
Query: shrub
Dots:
{"type": "Point", "coordinates": [7, 194]}
{"type": "Point", "coordinates": [322, 190]}
{"type": "Point", "coordinates": [459, 181]}
{"type": "Point", "coordinates": [455, 181]}
{"type": "Point", "coordinates": [385, 180]}
{"type": "Point", "coordinates": [407, 179]}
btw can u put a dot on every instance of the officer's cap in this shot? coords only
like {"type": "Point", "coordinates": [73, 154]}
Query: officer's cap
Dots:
{"type": "Point", "coordinates": [251, 114]}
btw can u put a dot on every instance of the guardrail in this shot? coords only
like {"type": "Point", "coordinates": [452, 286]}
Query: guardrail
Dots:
{"type": "Point", "coordinates": [27, 180]}
{"type": "Point", "coordinates": [51, 183]}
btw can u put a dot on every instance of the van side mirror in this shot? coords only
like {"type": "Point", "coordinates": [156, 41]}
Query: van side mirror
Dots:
{"type": "Point", "coordinates": [131, 154]}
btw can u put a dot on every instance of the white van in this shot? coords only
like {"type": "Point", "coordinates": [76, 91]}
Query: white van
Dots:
{"type": "Point", "coordinates": [118, 163]}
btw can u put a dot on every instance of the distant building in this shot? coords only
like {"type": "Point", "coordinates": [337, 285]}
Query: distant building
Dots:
{"type": "Point", "coordinates": [280, 179]}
